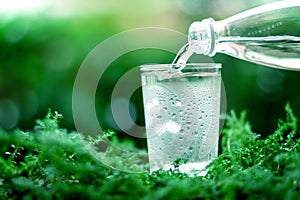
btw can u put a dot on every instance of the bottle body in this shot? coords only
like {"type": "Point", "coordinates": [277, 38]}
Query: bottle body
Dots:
{"type": "Point", "coordinates": [267, 35]}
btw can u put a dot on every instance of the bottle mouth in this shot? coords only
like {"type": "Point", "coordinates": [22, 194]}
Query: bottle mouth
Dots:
{"type": "Point", "coordinates": [202, 38]}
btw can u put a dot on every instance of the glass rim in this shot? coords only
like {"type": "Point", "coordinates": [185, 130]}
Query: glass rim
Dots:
{"type": "Point", "coordinates": [163, 67]}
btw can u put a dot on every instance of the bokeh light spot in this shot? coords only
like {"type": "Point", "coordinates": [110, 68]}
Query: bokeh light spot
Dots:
{"type": "Point", "coordinates": [9, 114]}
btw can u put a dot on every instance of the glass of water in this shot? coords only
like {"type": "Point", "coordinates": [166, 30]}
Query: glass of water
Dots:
{"type": "Point", "coordinates": [182, 110]}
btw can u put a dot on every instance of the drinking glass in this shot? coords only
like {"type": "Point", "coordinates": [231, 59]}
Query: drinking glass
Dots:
{"type": "Point", "coordinates": [182, 111]}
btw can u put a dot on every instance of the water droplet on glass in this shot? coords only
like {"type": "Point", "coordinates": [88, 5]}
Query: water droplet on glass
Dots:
{"type": "Point", "coordinates": [195, 133]}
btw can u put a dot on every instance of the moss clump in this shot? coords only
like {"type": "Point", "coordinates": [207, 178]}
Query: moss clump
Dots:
{"type": "Point", "coordinates": [52, 163]}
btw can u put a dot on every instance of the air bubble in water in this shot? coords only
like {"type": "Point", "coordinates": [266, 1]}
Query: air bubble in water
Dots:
{"type": "Point", "coordinates": [173, 115]}
{"type": "Point", "coordinates": [162, 100]}
{"type": "Point", "coordinates": [177, 103]}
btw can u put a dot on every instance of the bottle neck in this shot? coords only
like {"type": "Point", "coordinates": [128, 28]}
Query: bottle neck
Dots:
{"type": "Point", "coordinates": [202, 37]}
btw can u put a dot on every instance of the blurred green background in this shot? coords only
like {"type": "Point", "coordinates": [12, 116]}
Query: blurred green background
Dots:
{"type": "Point", "coordinates": [43, 44]}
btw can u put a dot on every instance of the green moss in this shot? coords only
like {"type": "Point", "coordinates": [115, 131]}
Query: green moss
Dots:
{"type": "Point", "coordinates": [52, 163]}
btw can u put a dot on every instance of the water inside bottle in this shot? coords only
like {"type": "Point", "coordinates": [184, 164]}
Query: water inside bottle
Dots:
{"type": "Point", "coordinates": [274, 51]}
{"type": "Point", "coordinates": [281, 52]}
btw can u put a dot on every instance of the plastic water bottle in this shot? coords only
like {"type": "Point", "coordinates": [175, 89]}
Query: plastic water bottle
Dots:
{"type": "Point", "coordinates": [268, 35]}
